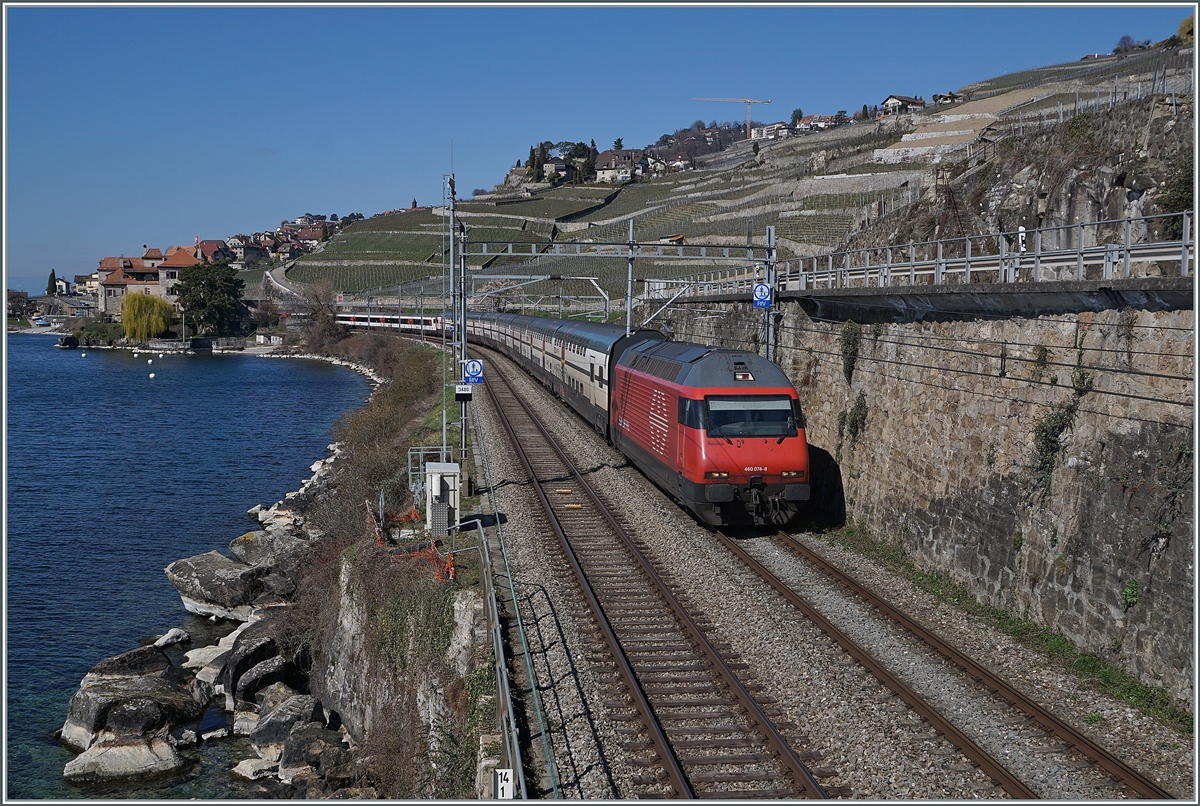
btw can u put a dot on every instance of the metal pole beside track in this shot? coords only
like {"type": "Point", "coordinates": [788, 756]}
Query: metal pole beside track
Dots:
{"type": "Point", "coordinates": [770, 278]}
{"type": "Point", "coordinates": [629, 283]}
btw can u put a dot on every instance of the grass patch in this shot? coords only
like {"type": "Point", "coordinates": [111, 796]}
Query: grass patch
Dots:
{"type": "Point", "coordinates": [1051, 643]}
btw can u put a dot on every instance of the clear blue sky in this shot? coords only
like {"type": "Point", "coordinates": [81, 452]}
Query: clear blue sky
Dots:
{"type": "Point", "coordinates": [131, 126]}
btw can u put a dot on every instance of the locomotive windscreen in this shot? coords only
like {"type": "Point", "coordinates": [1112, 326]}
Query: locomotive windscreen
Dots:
{"type": "Point", "coordinates": [751, 416]}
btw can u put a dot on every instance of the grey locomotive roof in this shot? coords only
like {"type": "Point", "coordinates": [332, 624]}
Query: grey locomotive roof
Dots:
{"type": "Point", "coordinates": [700, 366]}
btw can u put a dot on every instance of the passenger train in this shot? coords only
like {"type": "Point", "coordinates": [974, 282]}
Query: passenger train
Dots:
{"type": "Point", "coordinates": [404, 322]}
{"type": "Point", "coordinates": [720, 430]}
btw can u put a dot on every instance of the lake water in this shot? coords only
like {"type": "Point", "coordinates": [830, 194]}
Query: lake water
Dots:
{"type": "Point", "coordinates": [111, 476]}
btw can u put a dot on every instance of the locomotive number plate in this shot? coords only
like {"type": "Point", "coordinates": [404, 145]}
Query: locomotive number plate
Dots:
{"type": "Point", "coordinates": [754, 469]}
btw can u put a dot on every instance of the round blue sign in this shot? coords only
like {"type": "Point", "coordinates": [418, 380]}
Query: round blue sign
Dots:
{"type": "Point", "coordinates": [474, 367]}
{"type": "Point", "coordinates": [762, 291]}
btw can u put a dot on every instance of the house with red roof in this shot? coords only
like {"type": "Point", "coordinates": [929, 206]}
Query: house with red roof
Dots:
{"type": "Point", "coordinates": [620, 165]}
{"type": "Point", "coordinates": [120, 276]}
{"type": "Point", "coordinates": [215, 251]}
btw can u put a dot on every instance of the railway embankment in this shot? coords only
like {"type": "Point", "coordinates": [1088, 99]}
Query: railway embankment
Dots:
{"type": "Point", "coordinates": [352, 672]}
{"type": "Point", "coordinates": [1041, 459]}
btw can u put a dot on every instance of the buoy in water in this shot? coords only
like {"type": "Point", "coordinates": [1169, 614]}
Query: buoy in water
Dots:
{"type": "Point", "coordinates": [135, 355]}
{"type": "Point", "coordinates": [81, 355]}
{"type": "Point", "coordinates": [160, 355]}
{"type": "Point", "coordinates": [151, 374]}
{"type": "Point", "coordinates": [149, 360]}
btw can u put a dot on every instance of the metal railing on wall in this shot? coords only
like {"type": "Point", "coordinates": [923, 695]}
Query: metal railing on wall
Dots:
{"type": "Point", "coordinates": [504, 709]}
{"type": "Point", "coordinates": [1098, 250]}
{"type": "Point", "coordinates": [503, 687]}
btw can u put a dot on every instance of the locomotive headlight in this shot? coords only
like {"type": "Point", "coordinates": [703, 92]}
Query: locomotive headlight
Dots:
{"type": "Point", "coordinates": [787, 474]}
{"type": "Point", "coordinates": [715, 474]}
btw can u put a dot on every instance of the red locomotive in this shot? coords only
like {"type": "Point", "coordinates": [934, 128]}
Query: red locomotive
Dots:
{"type": "Point", "coordinates": [719, 430]}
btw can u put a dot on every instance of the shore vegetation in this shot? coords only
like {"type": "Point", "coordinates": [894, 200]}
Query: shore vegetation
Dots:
{"type": "Point", "coordinates": [210, 295]}
{"type": "Point", "coordinates": [145, 317]}
{"type": "Point", "coordinates": [411, 613]}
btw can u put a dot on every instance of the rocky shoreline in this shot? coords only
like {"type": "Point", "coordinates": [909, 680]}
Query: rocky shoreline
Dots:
{"type": "Point", "coordinates": [133, 713]}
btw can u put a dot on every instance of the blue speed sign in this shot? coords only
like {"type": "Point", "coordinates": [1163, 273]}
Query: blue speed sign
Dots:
{"type": "Point", "coordinates": [762, 295]}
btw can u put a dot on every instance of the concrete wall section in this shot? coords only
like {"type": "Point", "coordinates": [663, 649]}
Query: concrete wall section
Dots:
{"type": "Point", "coordinates": [956, 458]}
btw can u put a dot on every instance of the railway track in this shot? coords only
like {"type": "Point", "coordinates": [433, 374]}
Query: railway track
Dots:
{"type": "Point", "coordinates": [693, 727]}
{"type": "Point", "coordinates": [1138, 784]}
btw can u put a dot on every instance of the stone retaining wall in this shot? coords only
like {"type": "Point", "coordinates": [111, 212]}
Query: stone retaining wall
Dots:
{"type": "Point", "coordinates": [947, 461]}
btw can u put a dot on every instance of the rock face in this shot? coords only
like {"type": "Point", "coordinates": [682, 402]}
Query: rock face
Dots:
{"type": "Point", "coordinates": [173, 636]}
{"type": "Point", "coordinates": [311, 745]}
{"type": "Point", "coordinates": [214, 585]}
{"type": "Point", "coordinates": [123, 758]}
{"type": "Point", "coordinates": [134, 710]}
{"type": "Point", "coordinates": [132, 694]}
{"type": "Point", "coordinates": [275, 725]}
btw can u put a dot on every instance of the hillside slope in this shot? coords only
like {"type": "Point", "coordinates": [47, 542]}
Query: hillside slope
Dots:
{"type": "Point", "coordinates": [864, 184]}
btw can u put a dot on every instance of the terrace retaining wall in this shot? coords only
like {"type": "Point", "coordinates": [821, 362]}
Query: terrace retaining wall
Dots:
{"type": "Point", "coordinates": [947, 460]}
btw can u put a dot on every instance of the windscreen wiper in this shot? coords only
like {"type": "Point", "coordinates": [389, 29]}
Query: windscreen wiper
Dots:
{"type": "Point", "coordinates": [719, 429]}
{"type": "Point", "coordinates": [791, 426]}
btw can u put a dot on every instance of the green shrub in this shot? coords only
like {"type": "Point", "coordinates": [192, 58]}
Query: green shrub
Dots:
{"type": "Point", "coordinates": [1078, 126]}
{"type": "Point", "coordinates": [1129, 594]}
{"type": "Point", "coordinates": [850, 340]}
{"type": "Point", "coordinates": [856, 421]}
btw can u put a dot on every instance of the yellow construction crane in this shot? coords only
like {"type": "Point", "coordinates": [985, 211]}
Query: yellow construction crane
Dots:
{"type": "Point", "coordinates": [747, 101]}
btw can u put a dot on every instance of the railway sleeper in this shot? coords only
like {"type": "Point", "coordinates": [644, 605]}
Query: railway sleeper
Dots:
{"type": "Point", "coordinates": [734, 777]}
{"type": "Point", "coordinates": [748, 794]}
{"type": "Point", "coordinates": [726, 759]}
{"type": "Point", "coordinates": [709, 730]}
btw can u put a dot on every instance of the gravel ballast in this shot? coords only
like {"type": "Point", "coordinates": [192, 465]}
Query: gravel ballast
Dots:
{"type": "Point", "coordinates": [877, 745]}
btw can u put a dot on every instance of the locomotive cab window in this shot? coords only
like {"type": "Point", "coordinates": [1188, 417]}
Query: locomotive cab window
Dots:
{"type": "Point", "coordinates": [751, 416]}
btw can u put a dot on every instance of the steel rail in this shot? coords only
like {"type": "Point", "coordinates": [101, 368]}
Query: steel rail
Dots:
{"type": "Point", "coordinates": [640, 703]}
{"type": "Point", "coordinates": [1112, 765]}
{"type": "Point", "coordinates": [1009, 782]}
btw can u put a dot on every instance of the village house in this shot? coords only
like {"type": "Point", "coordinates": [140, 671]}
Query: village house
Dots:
{"type": "Point", "coordinates": [120, 276]}
{"type": "Point", "coordinates": [946, 97]}
{"type": "Point", "coordinates": [153, 273]}
{"type": "Point", "coordinates": [311, 237]}
{"type": "Point", "coordinates": [622, 165]}
{"type": "Point", "coordinates": [771, 131]}
{"type": "Point", "coordinates": [62, 286]}
{"type": "Point", "coordinates": [245, 251]}
{"type": "Point", "coordinates": [900, 103]}
{"type": "Point", "coordinates": [18, 303]}
{"type": "Point", "coordinates": [87, 283]}
{"type": "Point", "coordinates": [557, 165]}
{"type": "Point", "coordinates": [215, 251]}
{"type": "Point", "coordinates": [75, 306]}
{"type": "Point", "coordinates": [168, 270]}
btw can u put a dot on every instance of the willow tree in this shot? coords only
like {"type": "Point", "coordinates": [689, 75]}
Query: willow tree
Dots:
{"type": "Point", "coordinates": [144, 317]}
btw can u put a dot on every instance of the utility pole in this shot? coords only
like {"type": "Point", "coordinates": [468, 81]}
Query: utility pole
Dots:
{"type": "Point", "coordinates": [462, 329]}
{"type": "Point", "coordinates": [445, 441]}
{"type": "Point", "coordinates": [629, 283]}
{"type": "Point", "coordinates": [770, 278]}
